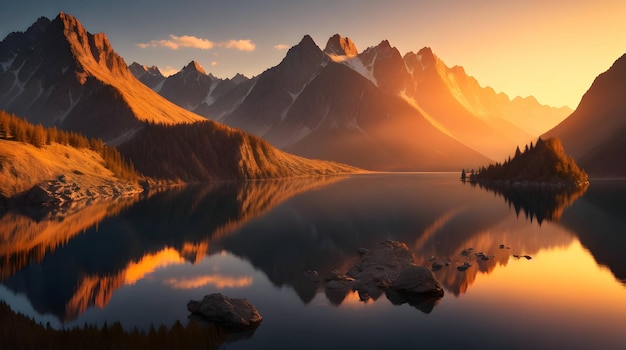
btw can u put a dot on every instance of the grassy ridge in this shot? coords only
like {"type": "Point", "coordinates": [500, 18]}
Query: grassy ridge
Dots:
{"type": "Point", "coordinates": [18, 129]}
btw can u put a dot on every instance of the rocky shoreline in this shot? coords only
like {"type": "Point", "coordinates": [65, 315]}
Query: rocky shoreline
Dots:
{"type": "Point", "coordinates": [65, 189]}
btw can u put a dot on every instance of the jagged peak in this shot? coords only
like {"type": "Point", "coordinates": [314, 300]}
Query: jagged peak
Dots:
{"type": "Point", "coordinates": [71, 24]}
{"type": "Point", "coordinates": [89, 50]}
{"type": "Point", "coordinates": [40, 24]}
{"type": "Point", "coordinates": [426, 54]}
{"type": "Point", "coordinates": [384, 44]}
{"type": "Point", "coordinates": [384, 48]}
{"type": "Point", "coordinates": [306, 49]}
{"type": "Point", "coordinates": [340, 46]}
{"type": "Point", "coordinates": [141, 69]}
{"type": "Point", "coordinates": [239, 78]}
{"type": "Point", "coordinates": [307, 41]}
{"type": "Point", "coordinates": [194, 66]}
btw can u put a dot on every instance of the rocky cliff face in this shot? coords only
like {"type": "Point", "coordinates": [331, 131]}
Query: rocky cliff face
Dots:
{"type": "Point", "coordinates": [340, 46]}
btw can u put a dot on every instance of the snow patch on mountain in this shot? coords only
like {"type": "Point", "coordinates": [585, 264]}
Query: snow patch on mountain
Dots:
{"type": "Point", "coordinates": [357, 65]}
{"type": "Point", "coordinates": [219, 117]}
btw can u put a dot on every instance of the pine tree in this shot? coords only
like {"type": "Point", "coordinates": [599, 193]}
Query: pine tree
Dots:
{"type": "Point", "coordinates": [39, 136]}
{"type": "Point", "coordinates": [5, 128]}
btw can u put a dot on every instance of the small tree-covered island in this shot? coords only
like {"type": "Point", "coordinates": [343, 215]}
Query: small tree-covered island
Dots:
{"type": "Point", "coordinates": [545, 163]}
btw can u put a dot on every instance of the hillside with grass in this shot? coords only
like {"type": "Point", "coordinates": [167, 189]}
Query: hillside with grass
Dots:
{"type": "Point", "coordinates": [44, 165]}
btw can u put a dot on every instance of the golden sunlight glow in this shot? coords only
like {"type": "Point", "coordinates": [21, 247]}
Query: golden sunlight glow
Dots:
{"type": "Point", "coordinates": [572, 269]}
{"type": "Point", "coordinates": [217, 280]}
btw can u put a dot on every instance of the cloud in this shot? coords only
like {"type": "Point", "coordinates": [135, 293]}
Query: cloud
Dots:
{"type": "Point", "coordinates": [213, 63]}
{"type": "Point", "coordinates": [241, 45]}
{"type": "Point", "coordinates": [189, 41]}
{"type": "Point", "coordinates": [175, 42]}
{"type": "Point", "coordinates": [281, 47]}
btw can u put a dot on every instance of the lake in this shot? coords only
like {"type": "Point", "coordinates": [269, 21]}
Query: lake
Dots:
{"type": "Point", "coordinates": [139, 260]}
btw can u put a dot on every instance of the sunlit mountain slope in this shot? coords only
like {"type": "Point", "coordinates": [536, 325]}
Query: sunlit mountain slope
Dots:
{"type": "Point", "coordinates": [56, 73]}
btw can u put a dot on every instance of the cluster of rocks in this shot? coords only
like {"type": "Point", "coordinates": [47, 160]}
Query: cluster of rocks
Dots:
{"type": "Point", "coordinates": [469, 254]}
{"type": "Point", "coordinates": [388, 268]}
{"type": "Point", "coordinates": [64, 189]}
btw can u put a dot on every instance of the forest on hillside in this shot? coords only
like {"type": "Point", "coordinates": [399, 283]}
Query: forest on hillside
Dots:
{"type": "Point", "coordinates": [207, 151]}
{"type": "Point", "coordinates": [20, 130]}
{"type": "Point", "coordinates": [544, 162]}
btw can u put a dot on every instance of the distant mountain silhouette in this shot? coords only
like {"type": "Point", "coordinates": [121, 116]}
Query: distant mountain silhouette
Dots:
{"type": "Point", "coordinates": [193, 89]}
{"type": "Point", "coordinates": [594, 133]}
{"type": "Point", "coordinates": [150, 76]}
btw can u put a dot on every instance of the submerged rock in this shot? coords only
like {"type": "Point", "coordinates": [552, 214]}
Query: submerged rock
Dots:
{"type": "Point", "coordinates": [231, 313]}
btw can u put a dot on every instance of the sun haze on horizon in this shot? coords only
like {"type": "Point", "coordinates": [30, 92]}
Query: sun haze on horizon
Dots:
{"type": "Point", "coordinates": [546, 49]}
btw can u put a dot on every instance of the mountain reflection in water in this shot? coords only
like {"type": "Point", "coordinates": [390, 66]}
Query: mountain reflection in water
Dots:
{"type": "Point", "coordinates": [262, 239]}
{"type": "Point", "coordinates": [122, 243]}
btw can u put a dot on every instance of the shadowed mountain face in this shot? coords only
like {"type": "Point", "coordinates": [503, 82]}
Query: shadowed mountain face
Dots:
{"type": "Point", "coordinates": [56, 73]}
{"type": "Point", "coordinates": [379, 111]}
{"type": "Point", "coordinates": [594, 133]}
{"type": "Point", "coordinates": [193, 89]}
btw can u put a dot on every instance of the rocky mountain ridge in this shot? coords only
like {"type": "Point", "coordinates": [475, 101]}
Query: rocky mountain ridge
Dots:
{"type": "Point", "coordinates": [284, 103]}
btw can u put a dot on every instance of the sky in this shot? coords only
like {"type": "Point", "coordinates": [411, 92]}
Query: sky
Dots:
{"type": "Point", "coordinates": [551, 49]}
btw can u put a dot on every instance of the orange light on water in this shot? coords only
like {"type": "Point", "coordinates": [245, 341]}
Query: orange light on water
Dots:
{"type": "Point", "coordinates": [561, 282]}
{"type": "Point", "coordinates": [217, 280]}
{"type": "Point", "coordinates": [150, 263]}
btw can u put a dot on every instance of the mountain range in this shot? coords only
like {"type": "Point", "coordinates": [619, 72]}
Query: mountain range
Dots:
{"type": "Point", "coordinates": [374, 109]}
{"type": "Point", "coordinates": [57, 74]}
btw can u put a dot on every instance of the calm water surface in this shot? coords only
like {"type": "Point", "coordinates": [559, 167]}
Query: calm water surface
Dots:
{"type": "Point", "coordinates": [139, 261]}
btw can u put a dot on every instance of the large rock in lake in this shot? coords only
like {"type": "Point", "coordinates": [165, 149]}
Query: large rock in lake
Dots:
{"type": "Point", "coordinates": [389, 267]}
{"type": "Point", "coordinates": [231, 313]}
